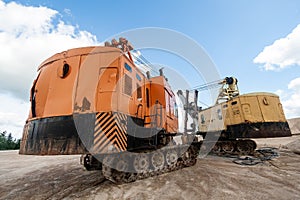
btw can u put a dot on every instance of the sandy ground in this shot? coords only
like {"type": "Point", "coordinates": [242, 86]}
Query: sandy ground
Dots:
{"type": "Point", "coordinates": [62, 177]}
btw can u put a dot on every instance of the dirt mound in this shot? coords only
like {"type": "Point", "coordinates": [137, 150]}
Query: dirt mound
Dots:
{"type": "Point", "coordinates": [294, 125]}
{"type": "Point", "coordinates": [294, 146]}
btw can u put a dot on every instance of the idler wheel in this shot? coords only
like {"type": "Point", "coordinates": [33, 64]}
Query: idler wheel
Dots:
{"type": "Point", "coordinates": [216, 148]}
{"type": "Point", "coordinates": [246, 146]}
{"type": "Point", "coordinates": [141, 163]}
{"type": "Point", "coordinates": [228, 147]}
{"type": "Point", "coordinates": [171, 157]}
{"type": "Point", "coordinates": [122, 164]}
{"type": "Point", "coordinates": [157, 160]}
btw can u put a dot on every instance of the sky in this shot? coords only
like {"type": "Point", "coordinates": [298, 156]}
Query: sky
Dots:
{"type": "Point", "coordinates": [256, 41]}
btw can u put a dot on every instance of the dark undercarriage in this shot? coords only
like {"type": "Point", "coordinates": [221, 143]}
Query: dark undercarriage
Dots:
{"type": "Point", "coordinates": [63, 135]}
{"type": "Point", "coordinates": [252, 130]}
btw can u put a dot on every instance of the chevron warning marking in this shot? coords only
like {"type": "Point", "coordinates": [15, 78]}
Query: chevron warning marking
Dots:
{"type": "Point", "coordinates": [110, 129]}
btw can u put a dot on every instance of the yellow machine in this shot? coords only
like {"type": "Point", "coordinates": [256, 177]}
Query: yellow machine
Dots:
{"type": "Point", "coordinates": [236, 118]}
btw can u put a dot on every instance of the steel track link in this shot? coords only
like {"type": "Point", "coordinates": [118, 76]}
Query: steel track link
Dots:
{"type": "Point", "coordinates": [187, 159]}
{"type": "Point", "coordinates": [234, 148]}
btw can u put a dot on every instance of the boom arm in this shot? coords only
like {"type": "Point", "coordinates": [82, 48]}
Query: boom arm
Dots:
{"type": "Point", "coordinates": [228, 88]}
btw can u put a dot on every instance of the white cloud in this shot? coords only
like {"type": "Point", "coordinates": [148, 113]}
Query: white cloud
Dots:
{"type": "Point", "coordinates": [295, 85]}
{"type": "Point", "coordinates": [68, 12]}
{"type": "Point", "coordinates": [292, 104]}
{"type": "Point", "coordinates": [28, 35]}
{"type": "Point", "coordinates": [279, 92]}
{"type": "Point", "coordinates": [291, 101]}
{"type": "Point", "coordinates": [283, 53]}
{"type": "Point", "coordinates": [13, 114]}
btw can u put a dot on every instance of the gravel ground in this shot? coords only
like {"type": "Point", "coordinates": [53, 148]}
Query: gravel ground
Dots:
{"type": "Point", "coordinates": [62, 177]}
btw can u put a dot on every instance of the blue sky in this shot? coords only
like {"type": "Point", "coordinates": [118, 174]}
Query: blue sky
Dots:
{"type": "Point", "coordinates": [233, 33]}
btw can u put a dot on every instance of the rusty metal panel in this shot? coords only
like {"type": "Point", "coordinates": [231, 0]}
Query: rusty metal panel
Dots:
{"type": "Point", "coordinates": [52, 136]}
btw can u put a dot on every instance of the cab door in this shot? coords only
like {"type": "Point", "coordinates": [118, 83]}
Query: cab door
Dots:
{"type": "Point", "coordinates": [107, 100]}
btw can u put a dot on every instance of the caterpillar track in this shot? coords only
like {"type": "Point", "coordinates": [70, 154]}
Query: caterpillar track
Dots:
{"type": "Point", "coordinates": [128, 167]}
{"type": "Point", "coordinates": [231, 147]}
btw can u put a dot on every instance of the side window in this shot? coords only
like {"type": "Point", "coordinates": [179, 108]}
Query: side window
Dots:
{"type": "Point", "coordinates": [175, 110]}
{"type": "Point", "coordinates": [234, 103]}
{"type": "Point", "coordinates": [138, 91]}
{"type": "Point", "coordinates": [167, 97]}
{"type": "Point", "coordinates": [128, 67]}
{"type": "Point", "coordinates": [128, 85]}
{"type": "Point", "coordinates": [202, 119]}
{"type": "Point", "coordinates": [219, 112]}
{"type": "Point", "coordinates": [138, 77]}
{"type": "Point", "coordinates": [63, 70]}
{"type": "Point", "coordinates": [172, 103]}
{"type": "Point", "coordinates": [147, 98]}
